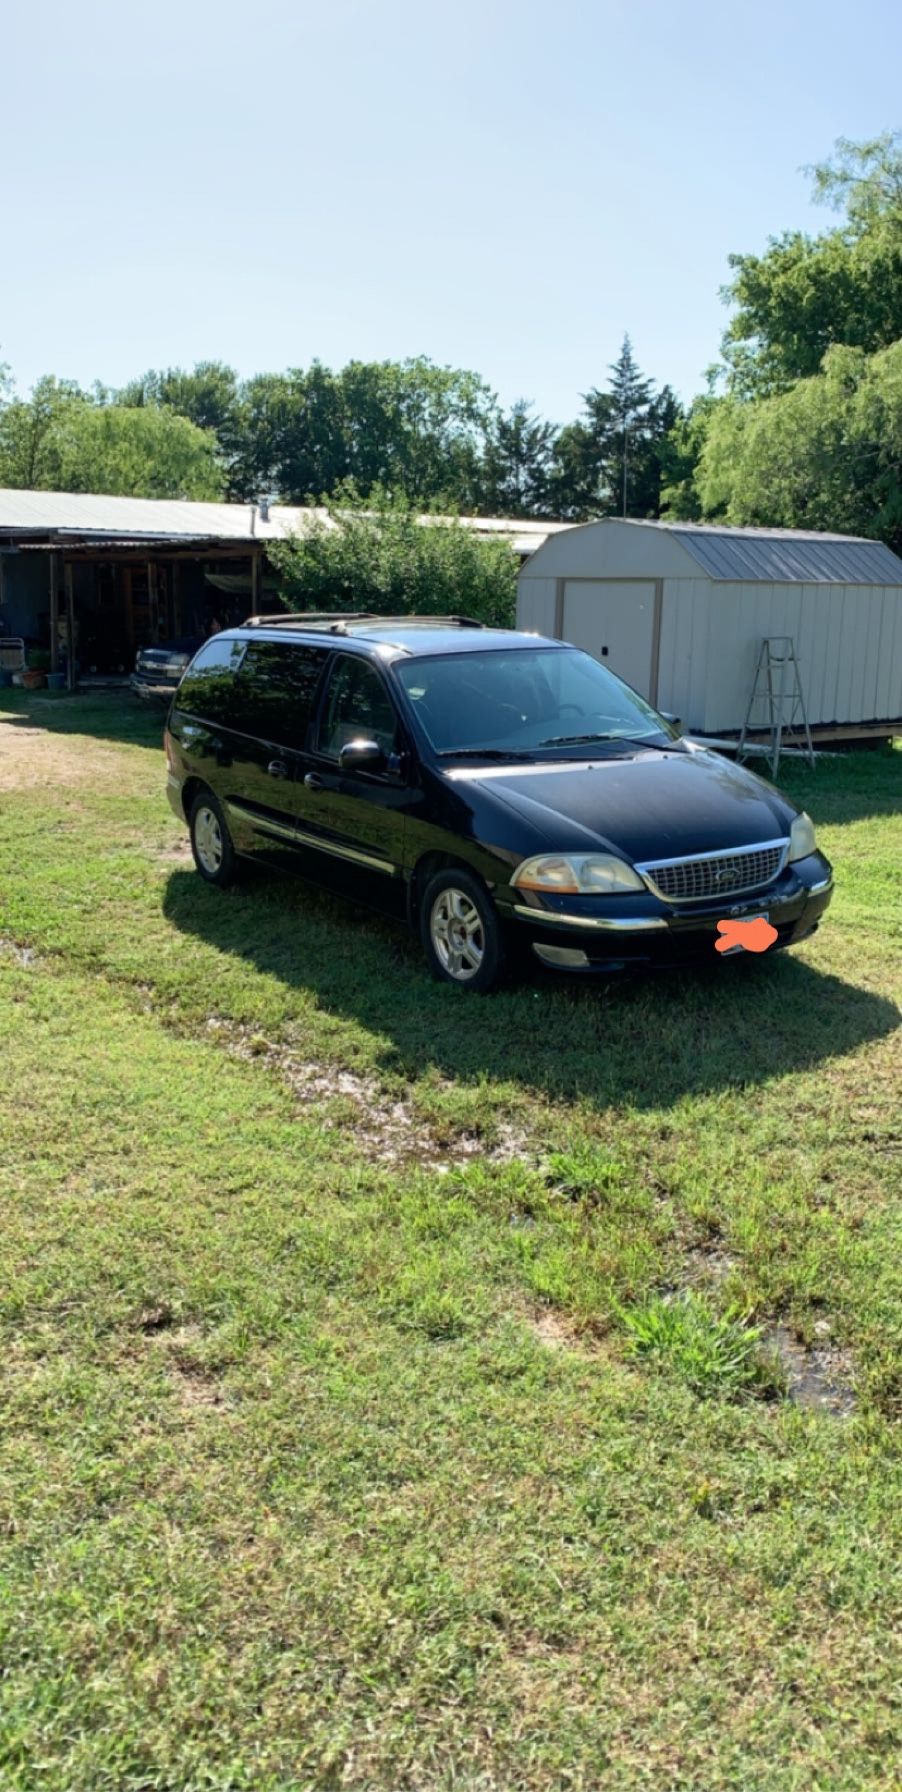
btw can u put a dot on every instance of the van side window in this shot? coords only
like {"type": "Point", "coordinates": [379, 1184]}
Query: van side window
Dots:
{"type": "Point", "coordinates": [358, 707]}
{"type": "Point", "coordinates": [207, 687]}
{"type": "Point", "coordinates": [275, 690]}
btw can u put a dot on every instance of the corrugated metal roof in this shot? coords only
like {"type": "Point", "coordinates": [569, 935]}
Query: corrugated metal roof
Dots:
{"type": "Point", "coordinates": [89, 513]}
{"type": "Point", "coordinates": [786, 556]}
{"type": "Point", "coordinates": [156, 519]}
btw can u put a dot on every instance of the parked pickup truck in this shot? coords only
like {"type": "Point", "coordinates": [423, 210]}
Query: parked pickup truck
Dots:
{"type": "Point", "coordinates": [158, 669]}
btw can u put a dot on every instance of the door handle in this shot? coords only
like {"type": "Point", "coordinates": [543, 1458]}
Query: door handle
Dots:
{"type": "Point", "coordinates": [313, 781]}
{"type": "Point", "coordinates": [277, 768]}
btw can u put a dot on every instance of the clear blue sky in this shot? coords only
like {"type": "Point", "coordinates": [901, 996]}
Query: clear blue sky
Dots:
{"type": "Point", "coordinates": [498, 184]}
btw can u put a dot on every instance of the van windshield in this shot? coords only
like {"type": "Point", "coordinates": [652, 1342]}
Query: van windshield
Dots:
{"type": "Point", "coordinates": [539, 701]}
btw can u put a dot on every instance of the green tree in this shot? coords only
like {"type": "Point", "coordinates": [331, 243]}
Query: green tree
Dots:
{"type": "Point", "coordinates": [29, 433]}
{"type": "Point", "coordinates": [681, 453]}
{"type": "Point", "coordinates": [806, 294]}
{"type": "Point", "coordinates": [60, 440]}
{"type": "Point", "coordinates": [136, 453]}
{"type": "Point", "coordinates": [210, 396]}
{"type": "Point", "coordinates": [294, 435]}
{"type": "Point", "coordinates": [611, 461]}
{"type": "Point", "coordinates": [826, 454]}
{"type": "Point", "coordinates": [416, 428]}
{"type": "Point", "coordinates": [623, 422]}
{"type": "Point", "coordinates": [515, 476]}
{"type": "Point", "coordinates": [407, 426]}
{"type": "Point", "coordinates": [376, 553]}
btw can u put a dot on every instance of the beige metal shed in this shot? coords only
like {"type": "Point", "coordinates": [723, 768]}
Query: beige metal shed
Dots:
{"type": "Point", "coordinates": [680, 609]}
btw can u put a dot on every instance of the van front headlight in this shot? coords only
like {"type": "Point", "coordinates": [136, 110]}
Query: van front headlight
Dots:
{"type": "Point", "coordinates": [801, 838]}
{"type": "Point", "coordinates": [577, 874]}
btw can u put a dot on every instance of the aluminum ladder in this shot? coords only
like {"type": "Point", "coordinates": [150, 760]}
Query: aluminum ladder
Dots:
{"type": "Point", "coordinates": [778, 685]}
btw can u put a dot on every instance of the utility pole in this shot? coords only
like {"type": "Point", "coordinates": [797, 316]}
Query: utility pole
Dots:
{"type": "Point", "coordinates": [625, 457]}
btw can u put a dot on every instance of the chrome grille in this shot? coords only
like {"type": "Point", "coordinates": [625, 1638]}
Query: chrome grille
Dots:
{"type": "Point", "coordinates": [709, 875]}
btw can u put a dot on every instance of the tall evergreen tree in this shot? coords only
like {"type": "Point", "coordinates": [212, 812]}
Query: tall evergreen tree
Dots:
{"type": "Point", "coordinates": [517, 464]}
{"type": "Point", "coordinates": [629, 406]}
{"type": "Point", "coordinates": [609, 463]}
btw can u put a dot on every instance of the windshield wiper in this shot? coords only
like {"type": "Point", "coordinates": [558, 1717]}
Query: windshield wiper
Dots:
{"type": "Point", "coordinates": [626, 740]}
{"type": "Point", "coordinates": [483, 753]}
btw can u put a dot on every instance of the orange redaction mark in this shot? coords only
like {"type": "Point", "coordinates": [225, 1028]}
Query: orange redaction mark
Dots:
{"type": "Point", "coordinates": [753, 936]}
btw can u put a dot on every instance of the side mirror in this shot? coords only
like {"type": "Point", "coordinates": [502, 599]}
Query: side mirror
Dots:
{"type": "Point", "coordinates": [361, 756]}
{"type": "Point", "coordinates": [675, 722]}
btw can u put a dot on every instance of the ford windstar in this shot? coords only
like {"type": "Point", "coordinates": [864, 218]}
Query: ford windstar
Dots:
{"type": "Point", "coordinates": [505, 795]}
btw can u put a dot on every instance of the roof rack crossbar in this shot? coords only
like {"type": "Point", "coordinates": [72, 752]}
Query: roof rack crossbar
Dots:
{"type": "Point", "coordinates": [301, 616]}
{"type": "Point", "coordinates": [338, 620]}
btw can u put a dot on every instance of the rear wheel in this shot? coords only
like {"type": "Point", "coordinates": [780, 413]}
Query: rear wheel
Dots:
{"type": "Point", "coordinates": [211, 842]}
{"type": "Point", "coordinates": [461, 932]}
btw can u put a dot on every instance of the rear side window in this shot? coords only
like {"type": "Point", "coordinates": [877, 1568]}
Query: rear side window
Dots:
{"type": "Point", "coordinates": [275, 690]}
{"type": "Point", "coordinates": [207, 687]}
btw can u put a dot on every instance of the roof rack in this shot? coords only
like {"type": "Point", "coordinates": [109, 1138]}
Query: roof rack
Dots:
{"type": "Point", "coordinates": [336, 621]}
{"type": "Point", "coordinates": [300, 617]}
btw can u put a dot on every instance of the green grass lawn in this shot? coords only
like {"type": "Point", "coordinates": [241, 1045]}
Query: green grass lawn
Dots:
{"type": "Point", "coordinates": [389, 1390]}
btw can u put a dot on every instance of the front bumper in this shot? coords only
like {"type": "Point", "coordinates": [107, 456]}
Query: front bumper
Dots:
{"type": "Point", "coordinates": [616, 933]}
{"type": "Point", "coordinates": [151, 689]}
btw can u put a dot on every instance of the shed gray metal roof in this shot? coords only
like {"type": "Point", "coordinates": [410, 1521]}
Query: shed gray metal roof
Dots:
{"type": "Point", "coordinates": [786, 556]}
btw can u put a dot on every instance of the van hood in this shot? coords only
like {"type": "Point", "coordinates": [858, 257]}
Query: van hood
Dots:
{"type": "Point", "coordinates": [645, 805]}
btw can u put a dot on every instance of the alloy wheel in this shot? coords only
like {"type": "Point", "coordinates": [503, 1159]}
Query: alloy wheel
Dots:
{"type": "Point", "coordinates": [457, 934]}
{"type": "Point", "coordinates": [208, 840]}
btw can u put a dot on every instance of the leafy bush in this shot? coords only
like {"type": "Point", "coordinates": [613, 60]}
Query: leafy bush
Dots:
{"type": "Point", "coordinates": [381, 555]}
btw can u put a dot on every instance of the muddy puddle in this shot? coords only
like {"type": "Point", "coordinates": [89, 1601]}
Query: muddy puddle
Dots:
{"type": "Point", "coordinates": [390, 1131]}
{"type": "Point", "coordinates": [819, 1377]}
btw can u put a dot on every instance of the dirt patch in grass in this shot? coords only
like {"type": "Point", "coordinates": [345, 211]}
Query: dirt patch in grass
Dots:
{"type": "Point", "coordinates": [554, 1332]}
{"type": "Point", "coordinates": [387, 1129]}
{"type": "Point", "coordinates": [155, 1319]}
{"type": "Point", "coordinates": [24, 956]}
{"type": "Point", "coordinates": [708, 1263]}
{"type": "Point", "coordinates": [819, 1377]}
{"type": "Point", "coordinates": [196, 1391]}
{"type": "Point", "coordinates": [33, 758]}
{"type": "Point", "coordinates": [179, 854]}
{"type": "Point", "coordinates": [178, 1349]}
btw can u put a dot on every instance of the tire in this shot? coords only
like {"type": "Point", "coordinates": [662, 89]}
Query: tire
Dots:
{"type": "Point", "coordinates": [211, 842]}
{"type": "Point", "coordinates": [461, 932]}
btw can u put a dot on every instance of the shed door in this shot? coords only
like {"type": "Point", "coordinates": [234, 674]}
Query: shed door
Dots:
{"type": "Point", "coordinates": [613, 619]}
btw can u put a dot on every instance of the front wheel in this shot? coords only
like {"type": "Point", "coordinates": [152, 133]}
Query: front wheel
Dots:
{"type": "Point", "coordinates": [461, 932]}
{"type": "Point", "coordinates": [211, 842]}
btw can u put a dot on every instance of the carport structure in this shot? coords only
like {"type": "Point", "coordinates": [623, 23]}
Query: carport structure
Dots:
{"type": "Point", "coordinates": [114, 574]}
{"type": "Point", "coordinates": [111, 574]}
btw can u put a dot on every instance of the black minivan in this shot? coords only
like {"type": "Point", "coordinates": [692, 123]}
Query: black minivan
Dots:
{"type": "Point", "coordinates": [502, 793]}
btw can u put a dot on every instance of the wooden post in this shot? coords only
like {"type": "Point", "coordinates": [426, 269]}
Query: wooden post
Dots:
{"type": "Point", "coordinates": [153, 602]}
{"type": "Point", "coordinates": [69, 574]}
{"type": "Point", "coordinates": [54, 612]}
{"type": "Point", "coordinates": [176, 601]}
{"type": "Point", "coordinates": [255, 583]}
